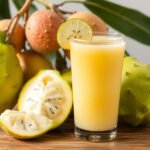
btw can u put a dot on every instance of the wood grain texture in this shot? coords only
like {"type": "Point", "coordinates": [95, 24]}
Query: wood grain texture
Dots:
{"type": "Point", "coordinates": [63, 139]}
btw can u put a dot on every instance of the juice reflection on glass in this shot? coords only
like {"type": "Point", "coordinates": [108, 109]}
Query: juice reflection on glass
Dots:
{"type": "Point", "coordinates": [96, 76]}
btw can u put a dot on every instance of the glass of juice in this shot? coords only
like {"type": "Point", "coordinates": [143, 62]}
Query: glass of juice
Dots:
{"type": "Point", "coordinates": [96, 78]}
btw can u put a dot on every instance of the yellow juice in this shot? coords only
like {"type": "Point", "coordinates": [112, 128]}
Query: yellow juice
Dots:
{"type": "Point", "coordinates": [96, 77]}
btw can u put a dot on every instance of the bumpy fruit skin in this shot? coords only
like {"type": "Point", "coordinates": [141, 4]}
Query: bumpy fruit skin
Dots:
{"type": "Point", "coordinates": [97, 24]}
{"type": "Point", "coordinates": [18, 36]}
{"type": "Point", "coordinates": [41, 30]}
{"type": "Point", "coordinates": [11, 77]}
{"type": "Point", "coordinates": [135, 93]}
{"type": "Point", "coordinates": [31, 63]}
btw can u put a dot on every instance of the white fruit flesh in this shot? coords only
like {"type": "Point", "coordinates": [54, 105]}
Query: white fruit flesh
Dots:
{"type": "Point", "coordinates": [47, 94]}
{"type": "Point", "coordinates": [24, 125]}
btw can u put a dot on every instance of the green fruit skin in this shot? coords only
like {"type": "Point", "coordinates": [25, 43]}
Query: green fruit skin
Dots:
{"type": "Point", "coordinates": [11, 77]}
{"type": "Point", "coordinates": [135, 93]}
{"type": "Point", "coordinates": [67, 77]}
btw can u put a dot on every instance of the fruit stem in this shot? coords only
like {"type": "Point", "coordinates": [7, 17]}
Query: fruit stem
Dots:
{"type": "Point", "coordinates": [16, 18]}
{"type": "Point", "coordinates": [51, 6]}
{"type": "Point", "coordinates": [67, 12]}
{"type": "Point", "coordinates": [26, 16]}
{"type": "Point", "coordinates": [55, 7]}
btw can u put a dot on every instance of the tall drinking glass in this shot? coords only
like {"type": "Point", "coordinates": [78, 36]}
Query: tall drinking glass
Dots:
{"type": "Point", "coordinates": [96, 77]}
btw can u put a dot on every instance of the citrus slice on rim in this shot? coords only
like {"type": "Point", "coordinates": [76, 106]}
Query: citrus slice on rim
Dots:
{"type": "Point", "coordinates": [24, 125]}
{"type": "Point", "coordinates": [47, 94]}
{"type": "Point", "coordinates": [73, 29]}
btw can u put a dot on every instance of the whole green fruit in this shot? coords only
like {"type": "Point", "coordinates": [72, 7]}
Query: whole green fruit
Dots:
{"type": "Point", "coordinates": [11, 77]}
{"type": "Point", "coordinates": [135, 92]}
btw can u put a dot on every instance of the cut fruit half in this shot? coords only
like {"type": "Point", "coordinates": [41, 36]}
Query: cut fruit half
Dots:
{"type": "Point", "coordinates": [73, 29]}
{"type": "Point", "coordinates": [25, 125]}
{"type": "Point", "coordinates": [47, 94]}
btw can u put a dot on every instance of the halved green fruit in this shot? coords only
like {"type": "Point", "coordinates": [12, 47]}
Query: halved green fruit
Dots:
{"type": "Point", "coordinates": [47, 94]}
{"type": "Point", "coordinates": [73, 29]}
{"type": "Point", "coordinates": [25, 125]}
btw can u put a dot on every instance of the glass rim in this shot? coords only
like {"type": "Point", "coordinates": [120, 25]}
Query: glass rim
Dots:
{"type": "Point", "coordinates": [114, 37]}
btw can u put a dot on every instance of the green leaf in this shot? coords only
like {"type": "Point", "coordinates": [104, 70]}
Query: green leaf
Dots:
{"type": "Point", "coordinates": [19, 4]}
{"type": "Point", "coordinates": [128, 21]}
{"type": "Point", "coordinates": [4, 9]}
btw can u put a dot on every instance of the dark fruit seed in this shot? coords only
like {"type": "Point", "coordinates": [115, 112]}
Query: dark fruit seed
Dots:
{"type": "Point", "coordinates": [51, 111]}
{"type": "Point", "coordinates": [56, 107]}
{"type": "Point", "coordinates": [21, 121]}
{"type": "Point", "coordinates": [50, 99]}
{"type": "Point", "coordinates": [30, 125]}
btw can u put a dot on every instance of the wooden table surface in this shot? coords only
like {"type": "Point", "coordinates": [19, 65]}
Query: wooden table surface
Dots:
{"type": "Point", "coordinates": [63, 139]}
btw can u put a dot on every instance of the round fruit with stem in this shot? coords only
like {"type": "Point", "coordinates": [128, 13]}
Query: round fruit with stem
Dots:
{"type": "Point", "coordinates": [17, 38]}
{"type": "Point", "coordinates": [41, 30]}
{"type": "Point", "coordinates": [25, 125]}
{"type": "Point", "coordinates": [47, 94]}
{"type": "Point", "coordinates": [32, 62]}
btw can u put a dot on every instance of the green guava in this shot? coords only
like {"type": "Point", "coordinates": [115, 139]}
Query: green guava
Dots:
{"type": "Point", "coordinates": [135, 92]}
{"type": "Point", "coordinates": [11, 77]}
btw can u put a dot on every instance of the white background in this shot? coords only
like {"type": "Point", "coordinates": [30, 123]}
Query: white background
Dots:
{"type": "Point", "coordinates": [140, 51]}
